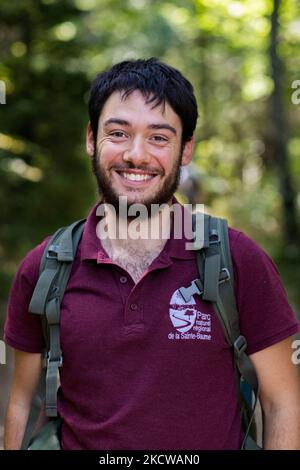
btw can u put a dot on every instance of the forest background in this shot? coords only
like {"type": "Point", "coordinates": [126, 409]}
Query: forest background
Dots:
{"type": "Point", "coordinates": [243, 58]}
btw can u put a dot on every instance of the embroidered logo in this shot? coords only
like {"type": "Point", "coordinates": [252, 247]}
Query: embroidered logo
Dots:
{"type": "Point", "coordinates": [187, 320]}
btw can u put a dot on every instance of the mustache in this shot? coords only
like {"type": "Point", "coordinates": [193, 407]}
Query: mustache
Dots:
{"type": "Point", "coordinates": [130, 166]}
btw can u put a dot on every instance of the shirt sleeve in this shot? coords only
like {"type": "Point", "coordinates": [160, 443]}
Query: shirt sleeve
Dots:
{"type": "Point", "coordinates": [264, 311]}
{"type": "Point", "coordinates": [22, 329]}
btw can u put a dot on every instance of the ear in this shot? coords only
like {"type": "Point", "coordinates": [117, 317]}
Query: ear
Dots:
{"type": "Point", "coordinates": [90, 144]}
{"type": "Point", "coordinates": [188, 151]}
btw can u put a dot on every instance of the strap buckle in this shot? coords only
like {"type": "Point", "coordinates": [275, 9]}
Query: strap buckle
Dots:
{"type": "Point", "coordinates": [57, 362]}
{"type": "Point", "coordinates": [214, 238]}
{"type": "Point", "coordinates": [224, 275]}
{"type": "Point", "coordinates": [194, 288]}
{"type": "Point", "coordinates": [240, 345]}
{"type": "Point", "coordinates": [197, 288]}
{"type": "Point", "coordinates": [52, 252]}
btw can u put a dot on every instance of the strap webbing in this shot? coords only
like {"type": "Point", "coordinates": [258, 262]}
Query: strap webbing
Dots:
{"type": "Point", "coordinates": [55, 269]}
{"type": "Point", "coordinates": [66, 250]}
{"type": "Point", "coordinates": [210, 260]}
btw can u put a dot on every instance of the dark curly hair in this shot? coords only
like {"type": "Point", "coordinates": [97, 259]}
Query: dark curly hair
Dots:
{"type": "Point", "coordinates": [157, 81]}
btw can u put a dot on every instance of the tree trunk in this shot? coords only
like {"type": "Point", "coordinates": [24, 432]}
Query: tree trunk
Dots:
{"type": "Point", "coordinates": [280, 136]}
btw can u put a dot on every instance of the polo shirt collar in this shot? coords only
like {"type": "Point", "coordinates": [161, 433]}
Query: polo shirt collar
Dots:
{"type": "Point", "coordinates": [176, 247]}
{"type": "Point", "coordinates": [92, 249]}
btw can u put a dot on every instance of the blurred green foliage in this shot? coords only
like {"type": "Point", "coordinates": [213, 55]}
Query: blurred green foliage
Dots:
{"type": "Point", "coordinates": [52, 49]}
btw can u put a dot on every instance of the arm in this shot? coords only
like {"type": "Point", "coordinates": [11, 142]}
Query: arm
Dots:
{"type": "Point", "coordinates": [26, 375]}
{"type": "Point", "coordinates": [279, 396]}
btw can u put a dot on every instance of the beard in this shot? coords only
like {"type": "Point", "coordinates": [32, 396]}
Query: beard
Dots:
{"type": "Point", "coordinates": [163, 194]}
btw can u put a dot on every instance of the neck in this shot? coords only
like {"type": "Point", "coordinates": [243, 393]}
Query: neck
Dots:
{"type": "Point", "coordinates": [135, 243]}
{"type": "Point", "coordinates": [144, 226]}
{"type": "Point", "coordinates": [139, 230]}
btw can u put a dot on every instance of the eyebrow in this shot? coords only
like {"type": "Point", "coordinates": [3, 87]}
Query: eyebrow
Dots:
{"type": "Point", "coordinates": [123, 122]}
{"type": "Point", "coordinates": [163, 126]}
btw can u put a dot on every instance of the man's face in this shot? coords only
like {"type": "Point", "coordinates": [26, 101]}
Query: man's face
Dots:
{"type": "Point", "coordinates": [138, 150]}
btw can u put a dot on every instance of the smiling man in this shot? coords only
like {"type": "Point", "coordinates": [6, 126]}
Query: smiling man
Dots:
{"type": "Point", "coordinates": [139, 151]}
{"type": "Point", "coordinates": [142, 367]}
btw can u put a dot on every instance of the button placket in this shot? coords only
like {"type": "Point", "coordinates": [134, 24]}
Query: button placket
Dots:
{"type": "Point", "coordinates": [133, 310]}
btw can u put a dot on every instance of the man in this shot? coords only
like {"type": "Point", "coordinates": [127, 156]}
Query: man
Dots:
{"type": "Point", "coordinates": [130, 379]}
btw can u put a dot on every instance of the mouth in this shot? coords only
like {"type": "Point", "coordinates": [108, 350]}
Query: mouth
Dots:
{"type": "Point", "coordinates": [136, 177]}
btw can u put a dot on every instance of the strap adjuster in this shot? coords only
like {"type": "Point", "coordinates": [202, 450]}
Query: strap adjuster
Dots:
{"type": "Point", "coordinates": [214, 238]}
{"type": "Point", "coordinates": [52, 252]}
{"type": "Point", "coordinates": [240, 345]}
{"type": "Point", "coordinates": [57, 362]}
{"type": "Point", "coordinates": [224, 275]}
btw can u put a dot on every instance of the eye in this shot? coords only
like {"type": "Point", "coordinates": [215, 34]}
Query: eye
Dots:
{"type": "Point", "coordinates": [159, 139]}
{"type": "Point", "coordinates": [118, 134]}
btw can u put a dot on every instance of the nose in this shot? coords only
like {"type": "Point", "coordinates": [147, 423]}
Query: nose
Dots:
{"type": "Point", "coordinates": [137, 152]}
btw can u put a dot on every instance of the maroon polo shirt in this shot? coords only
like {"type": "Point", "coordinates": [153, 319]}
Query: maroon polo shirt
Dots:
{"type": "Point", "coordinates": [142, 369]}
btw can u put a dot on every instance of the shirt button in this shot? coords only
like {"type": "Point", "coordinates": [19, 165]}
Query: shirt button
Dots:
{"type": "Point", "coordinates": [123, 279]}
{"type": "Point", "coordinates": [133, 306]}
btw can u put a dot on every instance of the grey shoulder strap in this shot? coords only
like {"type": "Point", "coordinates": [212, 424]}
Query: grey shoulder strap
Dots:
{"type": "Point", "coordinates": [225, 306]}
{"type": "Point", "coordinates": [216, 285]}
{"type": "Point", "coordinates": [55, 269]}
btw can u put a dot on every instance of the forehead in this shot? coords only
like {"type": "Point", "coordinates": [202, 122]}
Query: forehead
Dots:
{"type": "Point", "coordinates": [134, 109]}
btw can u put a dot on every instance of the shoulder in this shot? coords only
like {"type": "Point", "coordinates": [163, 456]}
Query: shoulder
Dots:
{"type": "Point", "coordinates": [253, 267]}
{"type": "Point", "coordinates": [247, 254]}
{"type": "Point", "coordinates": [264, 311]}
{"type": "Point", "coordinates": [22, 330]}
{"type": "Point", "coordinates": [30, 265]}
{"type": "Point", "coordinates": [242, 245]}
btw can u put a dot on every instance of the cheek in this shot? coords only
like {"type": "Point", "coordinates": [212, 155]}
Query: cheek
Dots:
{"type": "Point", "coordinates": [109, 147]}
{"type": "Point", "coordinates": [167, 159]}
{"type": "Point", "coordinates": [162, 153]}
{"type": "Point", "coordinates": [109, 154]}
{"type": "Point", "coordinates": [106, 150]}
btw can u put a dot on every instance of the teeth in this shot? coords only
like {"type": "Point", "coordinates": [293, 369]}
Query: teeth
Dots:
{"type": "Point", "coordinates": [135, 177]}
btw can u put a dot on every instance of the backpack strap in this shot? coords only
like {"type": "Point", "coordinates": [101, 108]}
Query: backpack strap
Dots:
{"type": "Point", "coordinates": [216, 286]}
{"type": "Point", "coordinates": [226, 306]}
{"type": "Point", "coordinates": [55, 269]}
